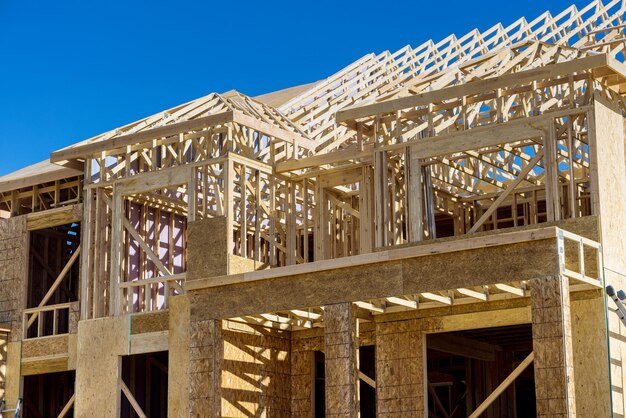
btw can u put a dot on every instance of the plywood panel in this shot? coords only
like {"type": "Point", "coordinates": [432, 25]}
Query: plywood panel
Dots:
{"type": "Point", "coordinates": [13, 256]}
{"type": "Point", "coordinates": [255, 371]}
{"type": "Point", "coordinates": [178, 390]}
{"type": "Point", "coordinates": [207, 251]}
{"type": "Point", "coordinates": [400, 369]}
{"type": "Point", "coordinates": [606, 151]}
{"type": "Point", "coordinates": [341, 360]}
{"type": "Point", "coordinates": [149, 322]}
{"type": "Point", "coordinates": [101, 342]}
{"type": "Point", "coordinates": [45, 346]}
{"type": "Point", "coordinates": [590, 357]}
{"type": "Point", "coordinates": [436, 272]}
{"type": "Point", "coordinates": [12, 389]}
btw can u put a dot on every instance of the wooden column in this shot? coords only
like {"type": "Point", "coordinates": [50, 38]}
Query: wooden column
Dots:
{"type": "Point", "coordinates": [400, 369]}
{"type": "Point", "coordinates": [302, 375]}
{"type": "Point", "coordinates": [552, 345]}
{"type": "Point", "coordinates": [341, 360]}
{"type": "Point", "coordinates": [204, 340]}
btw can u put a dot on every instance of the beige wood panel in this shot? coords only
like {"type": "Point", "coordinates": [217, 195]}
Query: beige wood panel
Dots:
{"type": "Point", "coordinates": [98, 369]}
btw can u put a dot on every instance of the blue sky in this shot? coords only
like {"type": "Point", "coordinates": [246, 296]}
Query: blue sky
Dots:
{"type": "Point", "coordinates": [72, 69]}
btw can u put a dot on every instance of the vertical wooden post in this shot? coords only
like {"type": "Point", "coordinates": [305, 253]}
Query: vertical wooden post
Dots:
{"type": "Point", "coordinates": [192, 195]}
{"type": "Point", "coordinates": [229, 183]}
{"type": "Point", "coordinates": [258, 216]}
{"type": "Point", "coordinates": [243, 212]}
{"type": "Point", "coordinates": [553, 206]}
{"type": "Point", "coordinates": [86, 273]}
{"type": "Point", "coordinates": [415, 198]}
{"type": "Point", "coordinates": [117, 234]}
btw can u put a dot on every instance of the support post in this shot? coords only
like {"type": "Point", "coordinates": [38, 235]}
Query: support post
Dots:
{"type": "Point", "coordinates": [204, 396]}
{"type": "Point", "coordinates": [552, 345]}
{"type": "Point", "coordinates": [400, 369]}
{"type": "Point", "coordinates": [341, 361]}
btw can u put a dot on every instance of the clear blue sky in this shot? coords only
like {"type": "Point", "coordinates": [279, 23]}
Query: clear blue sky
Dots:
{"type": "Point", "coordinates": [73, 69]}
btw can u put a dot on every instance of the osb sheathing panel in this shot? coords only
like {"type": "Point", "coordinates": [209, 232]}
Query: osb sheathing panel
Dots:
{"type": "Point", "coordinates": [607, 133]}
{"type": "Point", "coordinates": [207, 254]}
{"type": "Point", "coordinates": [45, 346]}
{"type": "Point", "coordinates": [611, 178]}
{"type": "Point", "coordinates": [303, 345]}
{"type": "Point", "coordinates": [341, 360]}
{"type": "Point", "coordinates": [12, 388]}
{"type": "Point", "coordinates": [237, 264]}
{"type": "Point", "coordinates": [590, 358]}
{"type": "Point", "coordinates": [400, 348]}
{"type": "Point", "coordinates": [13, 256]}
{"type": "Point", "coordinates": [617, 349]}
{"type": "Point", "coordinates": [501, 264]}
{"type": "Point", "coordinates": [149, 322]}
{"type": "Point", "coordinates": [101, 342]}
{"type": "Point", "coordinates": [178, 390]}
{"type": "Point", "coordinates": [515, 262]}
{"type": "Point", "coordinates": [255, 371]}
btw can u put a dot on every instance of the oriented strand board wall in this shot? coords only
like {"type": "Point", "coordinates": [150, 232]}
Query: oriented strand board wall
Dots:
{"type": "Point", "coordinates": [178, 390]}
{"type": "Point", "coordinates": [13, 253]}
{"type": "Point", "coordinates": [207, 254]}
{"type": "Point", "coordinates": [13, 247]}
{"type": "Point", "coordinates": [606, 152]}
{"type": "Point", "coordinates": [101, 342]}
{"type": "Point", "coordinates": [590, 357]}
{"type": "Point", "coordinates": [256, 371]}
{"type": "Point", "coordinates": [12, 388]}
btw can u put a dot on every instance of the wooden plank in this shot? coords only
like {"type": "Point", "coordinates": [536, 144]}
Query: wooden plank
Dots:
{"type": "Point", "coordinates": [476, 138]}
{"type": "Point", "coordinates": [502, 386]}
{"type": "Point", "coordinates": [54, 217]}
{"type": "Point", "coordinates": [330, 158]}
{"type": "Point", "coordinates": [371, 382]}
{"type": "Point", "coordinates": [67, 407]}
{"type": "Point", "coordinates": [149, 342]}
{"type": "Point", "coordinates": [132, 400]}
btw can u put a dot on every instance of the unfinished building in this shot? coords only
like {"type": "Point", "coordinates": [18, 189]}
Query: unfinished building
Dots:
{"type": "Point", "coordinates": [425, 233]}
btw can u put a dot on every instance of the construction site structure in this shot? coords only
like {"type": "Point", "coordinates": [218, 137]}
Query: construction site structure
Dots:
{"type": "Point", "coordinates": [425, 233]}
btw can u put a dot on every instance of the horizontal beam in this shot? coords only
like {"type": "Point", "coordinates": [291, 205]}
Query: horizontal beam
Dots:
{"type": "Point", "coordinates": [324, 159]}
{"type": "Point", "coordinates": [54, 217]}
{"type": "Point", "coordinates": [378, 257]}
{"type": "Point", "coordinates": [462, 346]}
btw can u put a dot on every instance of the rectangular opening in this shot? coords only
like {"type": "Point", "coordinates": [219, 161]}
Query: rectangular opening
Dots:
{"type": "Point", "coordinates": [46, 395]}
{"type": "Point", "coordinates": [53, 277]}
{"type": "Point", "coordinates": [145, 376]}
{"type": "Point", "coordinates": [465, 367]}
{"type": "Point", "coordinates": [367, 394]}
